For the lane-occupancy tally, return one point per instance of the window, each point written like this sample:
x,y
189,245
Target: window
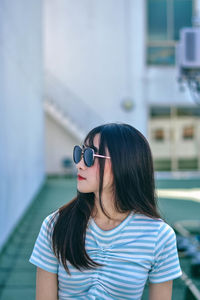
x,y
158,135
188,111
165,18
160,112
188,132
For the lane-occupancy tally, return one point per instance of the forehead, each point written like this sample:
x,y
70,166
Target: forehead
x,y
96,140
96,143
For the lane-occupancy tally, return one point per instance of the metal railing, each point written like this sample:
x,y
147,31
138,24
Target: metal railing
x,y
190,246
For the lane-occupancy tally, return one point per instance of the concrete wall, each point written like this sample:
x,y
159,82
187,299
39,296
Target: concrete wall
x,y
21,114
58,144
98,49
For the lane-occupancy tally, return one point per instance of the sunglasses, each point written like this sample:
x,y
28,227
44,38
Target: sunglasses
x,y
87,153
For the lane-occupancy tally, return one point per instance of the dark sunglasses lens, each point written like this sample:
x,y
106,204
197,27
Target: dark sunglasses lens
x,y
77,154
88,157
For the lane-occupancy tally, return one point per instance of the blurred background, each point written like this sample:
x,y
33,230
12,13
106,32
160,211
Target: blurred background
x,y
67,66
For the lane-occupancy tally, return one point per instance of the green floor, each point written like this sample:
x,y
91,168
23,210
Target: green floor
x,y
17,275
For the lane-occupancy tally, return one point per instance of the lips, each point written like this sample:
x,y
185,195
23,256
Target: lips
x,y
81,178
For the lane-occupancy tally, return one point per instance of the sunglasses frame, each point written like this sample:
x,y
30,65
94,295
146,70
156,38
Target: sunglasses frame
x,y
83,149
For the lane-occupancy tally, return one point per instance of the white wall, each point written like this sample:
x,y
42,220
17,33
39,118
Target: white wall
x,y
97,48
162,87
174,144
58,144
21,115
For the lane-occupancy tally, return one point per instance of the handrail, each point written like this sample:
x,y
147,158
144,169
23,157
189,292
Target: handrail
x,y
190,285
70,104
179,226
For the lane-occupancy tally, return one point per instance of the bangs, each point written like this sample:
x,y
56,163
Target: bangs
x,y
89,139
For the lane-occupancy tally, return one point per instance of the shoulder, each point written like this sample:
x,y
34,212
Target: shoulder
x,y
163,235
156,222
158,226
50,221
43,255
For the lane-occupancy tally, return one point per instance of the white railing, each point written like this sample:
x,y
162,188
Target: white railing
x,y
70,105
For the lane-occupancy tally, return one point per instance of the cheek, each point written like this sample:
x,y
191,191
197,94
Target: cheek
x,y
95,169
108,175
109,179
93,175
96,176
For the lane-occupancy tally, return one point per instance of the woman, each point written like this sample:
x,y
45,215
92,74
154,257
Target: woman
x,y
110,239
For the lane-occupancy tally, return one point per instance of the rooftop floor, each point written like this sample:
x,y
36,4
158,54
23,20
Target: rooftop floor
x,y
17,275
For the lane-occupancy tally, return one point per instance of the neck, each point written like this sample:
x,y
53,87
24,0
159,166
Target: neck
x,y
108,201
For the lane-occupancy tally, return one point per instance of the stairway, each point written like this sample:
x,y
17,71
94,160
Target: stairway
x,y
68,109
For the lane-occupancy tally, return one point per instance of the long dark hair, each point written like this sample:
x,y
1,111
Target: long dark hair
x,y
134,190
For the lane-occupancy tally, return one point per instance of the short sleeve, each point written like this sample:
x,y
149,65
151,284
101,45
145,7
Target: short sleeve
x,y
166,262
43,255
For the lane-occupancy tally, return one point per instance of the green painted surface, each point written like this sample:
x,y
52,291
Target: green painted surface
x,y
17,275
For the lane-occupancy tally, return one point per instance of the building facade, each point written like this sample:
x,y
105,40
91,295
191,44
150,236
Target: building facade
x,y
116,59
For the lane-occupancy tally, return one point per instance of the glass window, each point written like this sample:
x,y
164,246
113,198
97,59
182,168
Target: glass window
x,y
157,26
158,135
182,16
165,18
188,132
160,111
162,55
188,111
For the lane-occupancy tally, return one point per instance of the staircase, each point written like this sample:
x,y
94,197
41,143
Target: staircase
x,y
68,109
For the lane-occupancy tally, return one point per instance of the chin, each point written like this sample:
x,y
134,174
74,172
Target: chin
x,y
84,190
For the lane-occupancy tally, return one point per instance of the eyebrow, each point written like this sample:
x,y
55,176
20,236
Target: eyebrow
x,y
93,147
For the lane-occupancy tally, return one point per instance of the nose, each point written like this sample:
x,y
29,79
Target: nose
x,y
81,164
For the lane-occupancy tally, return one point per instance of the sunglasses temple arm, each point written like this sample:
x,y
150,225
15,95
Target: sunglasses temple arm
x,y
101,156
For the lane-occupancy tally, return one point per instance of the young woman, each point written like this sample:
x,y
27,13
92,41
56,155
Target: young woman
x,y
109,240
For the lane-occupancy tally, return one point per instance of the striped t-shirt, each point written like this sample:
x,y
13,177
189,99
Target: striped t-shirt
x,y
138,249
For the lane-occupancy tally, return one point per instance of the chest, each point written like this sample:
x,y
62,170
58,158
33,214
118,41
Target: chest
x,y
124,269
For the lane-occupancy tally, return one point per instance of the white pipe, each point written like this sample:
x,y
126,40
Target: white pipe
x,y
196,14
188,282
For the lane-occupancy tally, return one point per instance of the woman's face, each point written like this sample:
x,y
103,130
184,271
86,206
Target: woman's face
x,y
91,174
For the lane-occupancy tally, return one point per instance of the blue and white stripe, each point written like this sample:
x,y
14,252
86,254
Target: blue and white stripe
x,y
138,249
